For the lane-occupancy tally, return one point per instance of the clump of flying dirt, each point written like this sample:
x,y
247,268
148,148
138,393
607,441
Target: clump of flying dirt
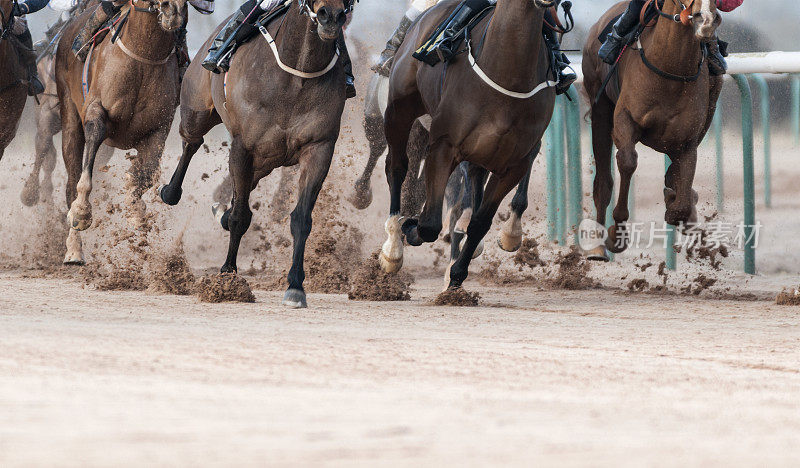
x,y
703,250
638,285
492,276
370,283
224,287
458,297
572,271
171,274
789,297
528,254
700,284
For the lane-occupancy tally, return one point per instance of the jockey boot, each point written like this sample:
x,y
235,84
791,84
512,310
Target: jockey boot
x,y
182,51
384,65
445,47
218,58
717,51
28,58
560,60
82,42
612,47
347,65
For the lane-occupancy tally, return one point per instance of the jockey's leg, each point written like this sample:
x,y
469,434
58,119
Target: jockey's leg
x,y
384,65
238,29
28,58
104,12
717,51
444,45
565,78
350,85
611,48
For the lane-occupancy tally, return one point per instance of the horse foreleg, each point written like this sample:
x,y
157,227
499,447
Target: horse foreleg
x,y
94,128
315,163
625,137
72,145
679,197
511,234
239,216
496,190
172,192
602,125
141,176
361,197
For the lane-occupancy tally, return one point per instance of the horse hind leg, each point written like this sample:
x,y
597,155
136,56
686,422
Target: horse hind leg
x,y
361,197
48,123
511,233
239,216
315,163
438,167
625,136
141,176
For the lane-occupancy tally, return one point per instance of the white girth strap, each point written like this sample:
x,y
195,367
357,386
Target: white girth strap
x,y
497,87
291,70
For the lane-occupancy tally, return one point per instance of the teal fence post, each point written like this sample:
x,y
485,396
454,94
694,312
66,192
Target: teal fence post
x,y
551,181
671,256
561,186
573,129
763,91
717,123
611,204
796,109
749,177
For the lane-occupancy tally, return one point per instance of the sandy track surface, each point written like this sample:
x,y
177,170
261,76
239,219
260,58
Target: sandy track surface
x,y
96,378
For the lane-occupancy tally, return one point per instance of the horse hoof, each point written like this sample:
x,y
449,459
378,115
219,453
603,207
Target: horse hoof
x,y
74,259
295,298
170,196
79,224
411,232
598,254
361,199
509,242
390,265
29,195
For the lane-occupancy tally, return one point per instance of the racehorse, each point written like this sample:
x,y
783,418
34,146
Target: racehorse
x,y
490,111
279,113
666,100
126,98
13,88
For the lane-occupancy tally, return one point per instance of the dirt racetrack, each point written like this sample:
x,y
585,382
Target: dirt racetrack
x,y
91,378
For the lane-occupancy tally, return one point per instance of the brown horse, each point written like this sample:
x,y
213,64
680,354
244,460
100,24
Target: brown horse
x,y
13,87
491,115
130,103
48,125
277,116
668,105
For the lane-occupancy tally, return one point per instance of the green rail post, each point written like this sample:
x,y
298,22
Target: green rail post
x,y
612,203
561,198
551,181
671,256
763,91
573,129
717,123
796,109
749,177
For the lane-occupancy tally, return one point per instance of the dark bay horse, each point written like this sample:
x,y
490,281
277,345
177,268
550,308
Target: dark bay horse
x,y
490,111
13,87
275,116
668,110
131,100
